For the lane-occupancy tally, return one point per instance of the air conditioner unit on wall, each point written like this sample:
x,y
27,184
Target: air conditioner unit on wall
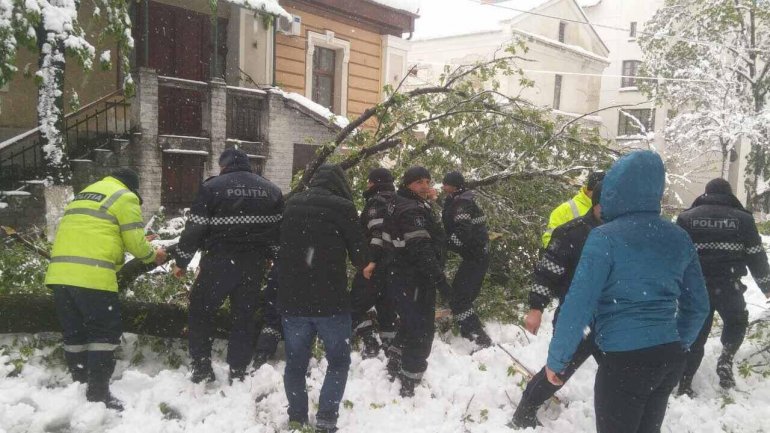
x,y
290,27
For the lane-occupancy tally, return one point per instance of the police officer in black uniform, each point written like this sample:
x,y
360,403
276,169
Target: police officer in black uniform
x,y
552,277
235,222
416,273
368,289
726,237
466,230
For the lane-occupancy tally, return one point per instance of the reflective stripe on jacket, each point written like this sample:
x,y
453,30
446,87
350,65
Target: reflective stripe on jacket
x,y
99,226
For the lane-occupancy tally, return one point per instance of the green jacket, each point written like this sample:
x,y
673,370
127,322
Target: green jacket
x,y
573,208
99,226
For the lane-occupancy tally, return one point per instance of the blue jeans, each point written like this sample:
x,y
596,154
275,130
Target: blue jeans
x,y
335,333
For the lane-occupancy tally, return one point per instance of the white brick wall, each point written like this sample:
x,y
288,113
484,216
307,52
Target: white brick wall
x,y
288,126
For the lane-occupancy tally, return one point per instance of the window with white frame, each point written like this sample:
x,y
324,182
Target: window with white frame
x,y
562,31
630,71
326,71
632,31
636,121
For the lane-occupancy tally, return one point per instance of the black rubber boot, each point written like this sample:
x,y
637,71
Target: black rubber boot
x,y
525,416
725,370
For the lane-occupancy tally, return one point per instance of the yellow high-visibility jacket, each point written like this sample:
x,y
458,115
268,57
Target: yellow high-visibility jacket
x,y
99,226
573,208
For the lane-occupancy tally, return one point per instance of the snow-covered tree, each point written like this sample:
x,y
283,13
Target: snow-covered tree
x,y
52,28
712,57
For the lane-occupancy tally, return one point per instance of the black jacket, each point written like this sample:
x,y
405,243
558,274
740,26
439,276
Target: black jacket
x,y
320,231
465,225
235,212
726,238
554,272
373,219
417,238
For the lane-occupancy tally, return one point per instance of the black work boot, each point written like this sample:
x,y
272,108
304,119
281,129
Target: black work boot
x,y
394,364
238,374
260,359
407,385
472,329
525,416
77,364
371,345
685,387
202,372
725,370
99,391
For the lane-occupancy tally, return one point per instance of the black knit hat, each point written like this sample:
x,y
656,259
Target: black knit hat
x,y
594,178
129,177
454,178
719,186
380,175
596,195
414,174
232,157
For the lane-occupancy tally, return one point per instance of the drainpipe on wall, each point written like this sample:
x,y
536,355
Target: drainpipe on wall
x,y
275,32
146,33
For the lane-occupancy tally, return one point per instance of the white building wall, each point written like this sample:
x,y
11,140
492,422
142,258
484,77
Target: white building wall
x,y
621,13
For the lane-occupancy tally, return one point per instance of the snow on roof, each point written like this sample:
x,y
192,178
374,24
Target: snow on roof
x,y
412,6
270,6
574,48
318,109
460,17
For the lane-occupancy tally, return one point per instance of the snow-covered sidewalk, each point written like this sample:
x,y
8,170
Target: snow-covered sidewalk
x,y
461,392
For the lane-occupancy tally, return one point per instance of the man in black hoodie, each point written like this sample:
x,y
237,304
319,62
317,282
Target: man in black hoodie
x,y
726,237
415,275
320,231
368,288
235,222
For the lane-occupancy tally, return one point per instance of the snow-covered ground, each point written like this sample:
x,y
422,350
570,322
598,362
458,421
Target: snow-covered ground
x,y
462,391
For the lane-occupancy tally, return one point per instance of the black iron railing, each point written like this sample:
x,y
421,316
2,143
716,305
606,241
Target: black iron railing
x,y
88,128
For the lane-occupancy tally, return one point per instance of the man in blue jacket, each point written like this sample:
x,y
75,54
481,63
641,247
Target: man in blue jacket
x,y
639,281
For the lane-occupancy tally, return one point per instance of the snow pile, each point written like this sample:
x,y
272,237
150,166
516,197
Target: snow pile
x,y
462,391
308,103
269,6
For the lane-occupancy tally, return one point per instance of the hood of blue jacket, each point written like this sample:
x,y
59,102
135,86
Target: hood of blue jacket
x,y
634,184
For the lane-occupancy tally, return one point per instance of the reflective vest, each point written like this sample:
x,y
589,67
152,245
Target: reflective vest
x,y
573,208
99,226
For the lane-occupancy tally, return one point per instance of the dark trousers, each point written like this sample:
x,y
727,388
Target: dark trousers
x,y
464,291
416,306
726,298
235,277
270,335
632,388
90,320
335,332
364,295
539,389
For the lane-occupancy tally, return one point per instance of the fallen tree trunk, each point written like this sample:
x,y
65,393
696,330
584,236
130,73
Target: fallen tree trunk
x,y
21,313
